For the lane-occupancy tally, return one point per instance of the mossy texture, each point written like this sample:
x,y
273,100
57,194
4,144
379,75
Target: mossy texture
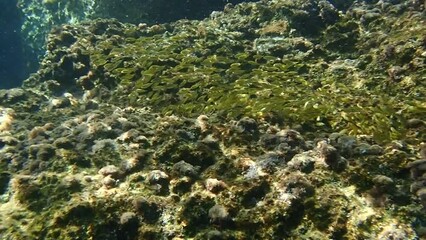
x,y
353,76
246,125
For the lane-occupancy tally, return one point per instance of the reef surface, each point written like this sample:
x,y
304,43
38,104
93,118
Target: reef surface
x,y
270,120
40,16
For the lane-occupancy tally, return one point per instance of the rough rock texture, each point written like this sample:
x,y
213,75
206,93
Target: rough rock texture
x,y
352,75
242,126
173,184
40,16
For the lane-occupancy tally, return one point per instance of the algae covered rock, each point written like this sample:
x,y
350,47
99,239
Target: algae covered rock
x,y
40,17
245,190
269,65
240,126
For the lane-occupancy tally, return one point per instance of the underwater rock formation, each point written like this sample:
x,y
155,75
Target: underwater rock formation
x,y
40,16
335,79
240,126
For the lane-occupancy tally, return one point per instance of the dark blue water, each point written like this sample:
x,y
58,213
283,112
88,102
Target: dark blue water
x,y
12,64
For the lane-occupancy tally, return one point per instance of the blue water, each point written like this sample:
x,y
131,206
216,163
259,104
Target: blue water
x,y
12,64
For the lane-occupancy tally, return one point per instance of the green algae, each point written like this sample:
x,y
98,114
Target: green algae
x,y
337,80
182,74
